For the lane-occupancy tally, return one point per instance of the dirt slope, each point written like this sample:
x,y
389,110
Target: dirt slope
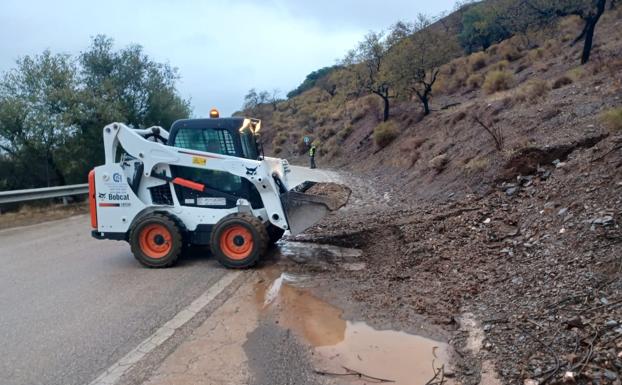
x,y
525,237
539,266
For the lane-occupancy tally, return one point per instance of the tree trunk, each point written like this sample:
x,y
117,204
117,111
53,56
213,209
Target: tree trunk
x,y
424,96
385,116
589,31
60,178
426,106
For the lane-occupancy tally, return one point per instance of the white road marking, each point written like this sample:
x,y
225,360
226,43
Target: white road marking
x,y
119,368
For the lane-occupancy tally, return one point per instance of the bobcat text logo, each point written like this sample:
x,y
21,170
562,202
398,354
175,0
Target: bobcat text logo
x,y
118,197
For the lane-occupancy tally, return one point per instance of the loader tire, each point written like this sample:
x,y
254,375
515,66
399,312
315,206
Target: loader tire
x,y
274,234
156,241
239,240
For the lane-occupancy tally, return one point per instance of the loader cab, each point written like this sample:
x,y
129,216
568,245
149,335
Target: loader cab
x,y
225,136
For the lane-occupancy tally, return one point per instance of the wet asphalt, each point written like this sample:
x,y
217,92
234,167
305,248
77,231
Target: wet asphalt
x,y
275,356
70,305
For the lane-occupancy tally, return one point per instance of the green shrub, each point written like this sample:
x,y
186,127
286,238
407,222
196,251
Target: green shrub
x,y
612,119
385,132
498,81
475,81
477,61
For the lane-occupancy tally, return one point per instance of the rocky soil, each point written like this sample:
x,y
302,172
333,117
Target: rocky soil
x,y
537,260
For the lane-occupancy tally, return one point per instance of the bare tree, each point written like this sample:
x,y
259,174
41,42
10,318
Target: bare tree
x,y
589,11
275,98
494,131
367,62
415,62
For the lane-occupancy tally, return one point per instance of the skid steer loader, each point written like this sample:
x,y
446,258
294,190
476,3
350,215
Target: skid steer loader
x,y
203,183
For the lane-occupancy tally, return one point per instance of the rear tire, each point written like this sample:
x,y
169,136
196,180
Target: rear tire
x,y
239,240
156,241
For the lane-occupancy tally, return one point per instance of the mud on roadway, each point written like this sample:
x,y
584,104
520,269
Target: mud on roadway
x,y
518,285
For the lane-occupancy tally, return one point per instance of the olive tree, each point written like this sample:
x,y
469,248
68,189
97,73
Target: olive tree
x,y
38,102
589,11
368,62
414,62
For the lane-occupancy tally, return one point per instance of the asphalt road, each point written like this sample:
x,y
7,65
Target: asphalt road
x,y
71,306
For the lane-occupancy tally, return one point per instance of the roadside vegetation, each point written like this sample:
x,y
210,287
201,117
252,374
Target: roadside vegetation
x,y
54,106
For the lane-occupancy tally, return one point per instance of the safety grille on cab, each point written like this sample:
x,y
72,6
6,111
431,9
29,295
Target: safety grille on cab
x,y
161,195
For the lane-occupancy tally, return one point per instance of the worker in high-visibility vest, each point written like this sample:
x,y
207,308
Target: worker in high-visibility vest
x,y
312,156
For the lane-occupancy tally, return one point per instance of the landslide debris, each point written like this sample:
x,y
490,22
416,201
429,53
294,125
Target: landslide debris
x,y
541,268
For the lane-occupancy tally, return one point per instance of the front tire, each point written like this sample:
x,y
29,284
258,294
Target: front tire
x,y
239,240
156,241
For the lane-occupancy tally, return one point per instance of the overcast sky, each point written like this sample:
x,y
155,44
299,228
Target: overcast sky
x,y
222,48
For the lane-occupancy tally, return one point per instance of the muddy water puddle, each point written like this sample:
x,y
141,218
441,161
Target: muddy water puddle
x,y
321,255
342,346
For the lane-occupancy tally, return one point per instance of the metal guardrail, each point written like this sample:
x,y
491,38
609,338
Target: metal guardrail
x,y
43,193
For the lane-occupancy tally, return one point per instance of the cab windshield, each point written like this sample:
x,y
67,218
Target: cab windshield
x,y
249,145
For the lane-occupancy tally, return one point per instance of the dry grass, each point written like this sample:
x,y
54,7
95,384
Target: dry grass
x,y
477,61
561,81
498,81
493,50
439,162
344,132
576,74
453,76
612,119
412,144
30,214
536,54
475,81
501,65
385,132
476,165
569,27
279,139
532,91
508,50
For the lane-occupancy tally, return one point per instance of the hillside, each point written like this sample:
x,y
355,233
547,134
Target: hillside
x,y
539,99
501,206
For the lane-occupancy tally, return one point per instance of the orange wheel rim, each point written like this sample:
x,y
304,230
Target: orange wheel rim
x,y
236,242
155,241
